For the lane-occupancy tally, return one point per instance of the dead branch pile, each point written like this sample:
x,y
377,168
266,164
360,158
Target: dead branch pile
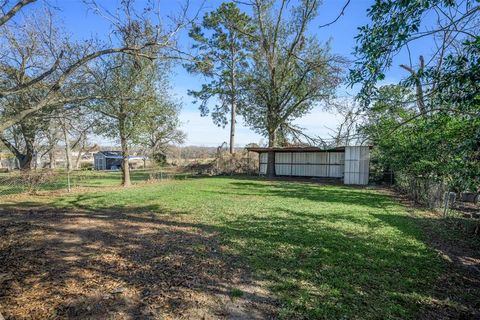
x,y
226,164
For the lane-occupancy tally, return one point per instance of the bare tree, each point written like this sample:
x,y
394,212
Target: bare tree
x,y
53,61
348,130
82,145
77,123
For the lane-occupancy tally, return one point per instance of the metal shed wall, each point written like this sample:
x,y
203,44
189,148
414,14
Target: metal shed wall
x,y
357,160
306,164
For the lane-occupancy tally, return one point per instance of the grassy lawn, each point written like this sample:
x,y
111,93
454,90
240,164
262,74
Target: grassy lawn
x,y
328,252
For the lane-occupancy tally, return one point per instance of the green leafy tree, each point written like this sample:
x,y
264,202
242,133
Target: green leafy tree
x,y
428,126
443,147
440,148
221,41
395,25
161,128
290,73
127,85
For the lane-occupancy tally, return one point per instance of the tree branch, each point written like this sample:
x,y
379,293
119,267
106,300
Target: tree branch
x,y
10,14
34,81
338,17
49,99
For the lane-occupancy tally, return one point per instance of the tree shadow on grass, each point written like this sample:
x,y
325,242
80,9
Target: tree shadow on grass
x,y
307,191
96,265
317,267
325,271
363,261
457,287
87,202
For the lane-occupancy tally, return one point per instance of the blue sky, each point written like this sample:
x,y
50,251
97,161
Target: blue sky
x,y
81,24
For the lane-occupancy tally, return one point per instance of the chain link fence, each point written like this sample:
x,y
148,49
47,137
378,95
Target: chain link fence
x,y
436,195
36,181
422,190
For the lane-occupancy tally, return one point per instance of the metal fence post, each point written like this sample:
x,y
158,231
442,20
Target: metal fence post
x,y
449,199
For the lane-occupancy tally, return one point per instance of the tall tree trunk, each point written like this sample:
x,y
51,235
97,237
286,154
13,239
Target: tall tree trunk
x,y
51,159
232,127
79,156
68,157
29,150
77,161
271,154
24,159
125,165
83,151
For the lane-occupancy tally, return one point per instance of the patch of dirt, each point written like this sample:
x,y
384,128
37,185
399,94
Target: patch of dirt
x,y
458,288
99,265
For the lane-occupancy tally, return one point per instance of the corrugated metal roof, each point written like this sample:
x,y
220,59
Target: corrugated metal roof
x,y
295,149
111,154
118,155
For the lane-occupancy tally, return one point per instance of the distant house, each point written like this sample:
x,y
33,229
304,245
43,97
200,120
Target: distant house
x,y
349,163
112,160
